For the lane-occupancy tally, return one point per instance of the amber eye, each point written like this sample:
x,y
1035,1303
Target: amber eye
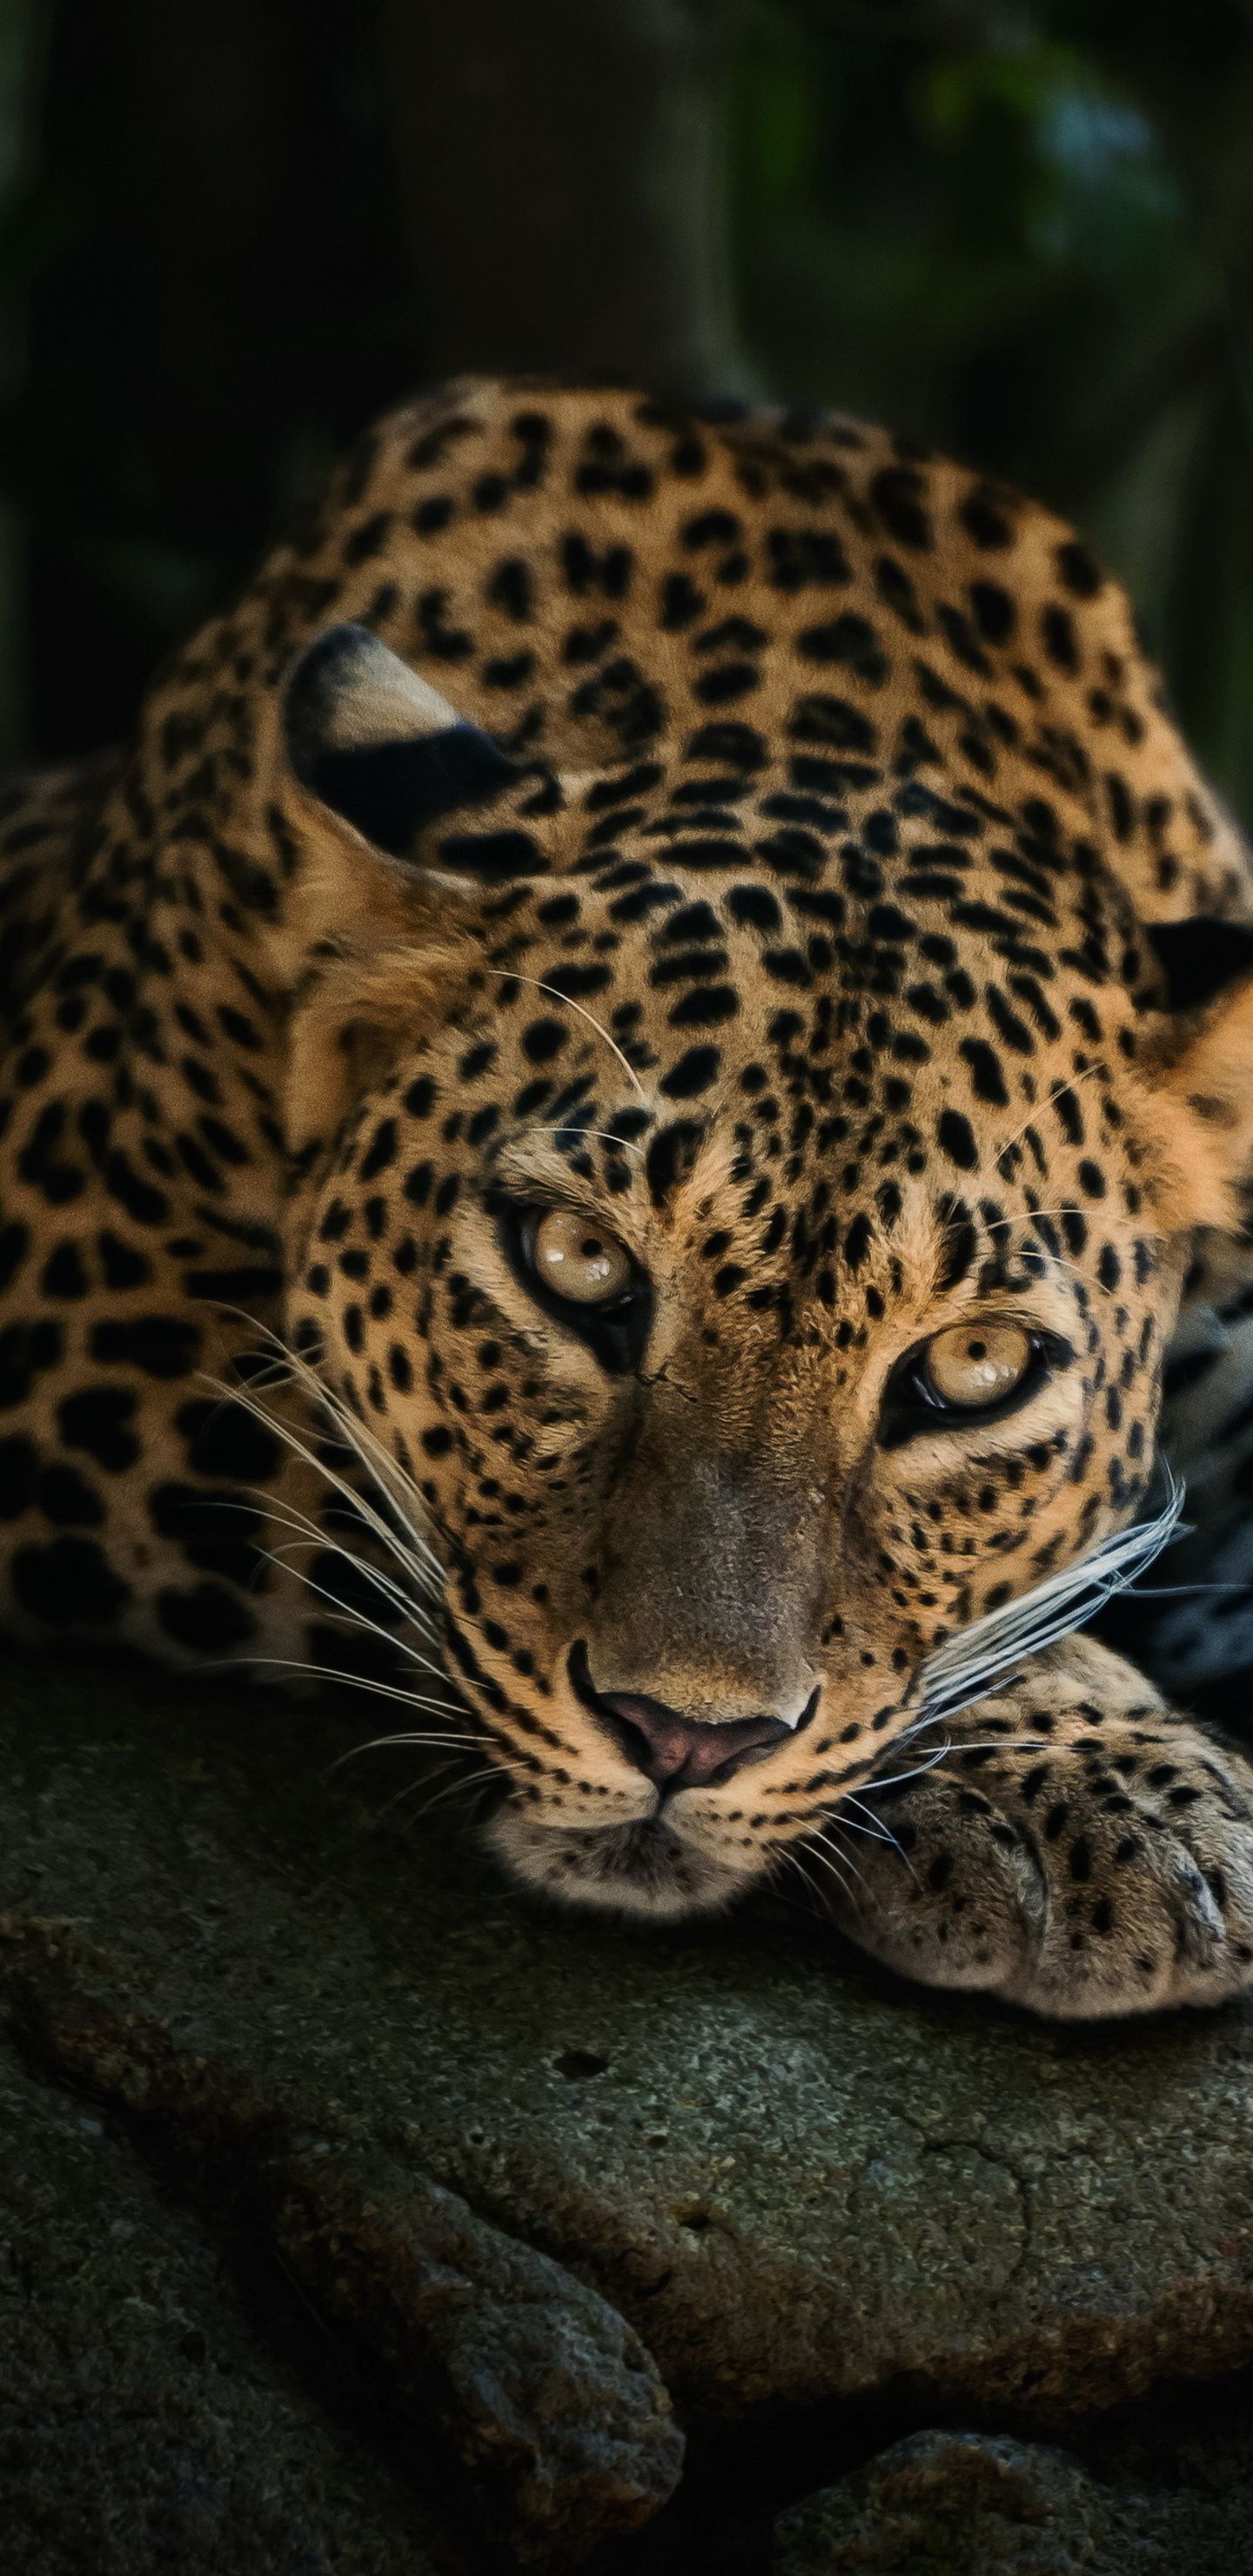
x,y
975,1365
577,1260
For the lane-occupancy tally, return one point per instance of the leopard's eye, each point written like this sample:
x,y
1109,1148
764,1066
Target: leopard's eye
x,y
968,1376
973,1366
577,1260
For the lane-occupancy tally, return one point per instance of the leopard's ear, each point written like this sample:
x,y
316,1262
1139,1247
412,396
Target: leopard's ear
x,y
387,906
1199,958
379,747
1199,1068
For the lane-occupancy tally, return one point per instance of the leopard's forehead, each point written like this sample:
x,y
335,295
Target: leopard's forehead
x,y
918,914
913,1007
769,634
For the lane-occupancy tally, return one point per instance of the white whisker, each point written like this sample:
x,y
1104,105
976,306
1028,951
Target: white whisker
x,y
876,1829
409,1576
347,1610
423,1744
308,1533
965,1667
829,1865
874,1832
397,1487
420,1570
507,976
359,1503
354,1681
571,1127
1066,1082
819,1843
455,1788
781,1856
897,1779
409,1736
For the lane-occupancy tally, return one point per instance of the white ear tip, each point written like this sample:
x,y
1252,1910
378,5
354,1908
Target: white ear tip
x,y
364,694
381,748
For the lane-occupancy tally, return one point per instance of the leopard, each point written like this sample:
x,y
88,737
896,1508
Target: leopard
x,y
627,1119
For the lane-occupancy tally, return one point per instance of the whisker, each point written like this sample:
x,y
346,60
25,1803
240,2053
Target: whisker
x,y
409,1789
422,1743
347,1610
308,1533
851,1824
1069,1207
877,1830
829,1865
359,1504
354,1681
409,1735
990,1744
508,977
819,1842
964,1667
477,1779
571,1127
782,1856
1066,1082
412,1554
397,1486
1044,1252
896,1779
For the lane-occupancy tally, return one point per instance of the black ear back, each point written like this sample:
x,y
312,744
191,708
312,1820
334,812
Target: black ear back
x,y
379,746
1200,958
390,791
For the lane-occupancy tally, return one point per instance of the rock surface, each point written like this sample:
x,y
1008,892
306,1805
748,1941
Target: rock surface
x,y
143,2423
541,2390
803,2187
966,2504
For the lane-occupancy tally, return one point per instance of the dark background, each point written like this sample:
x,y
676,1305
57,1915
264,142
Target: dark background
x,y
233,229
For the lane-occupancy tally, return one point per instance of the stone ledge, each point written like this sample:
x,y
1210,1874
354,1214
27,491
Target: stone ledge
x,y
803,2187
965,2504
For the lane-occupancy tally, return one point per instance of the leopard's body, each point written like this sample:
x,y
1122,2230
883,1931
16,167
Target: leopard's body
x,y
802,945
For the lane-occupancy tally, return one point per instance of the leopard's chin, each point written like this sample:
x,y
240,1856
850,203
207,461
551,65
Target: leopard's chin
x,y
643,1868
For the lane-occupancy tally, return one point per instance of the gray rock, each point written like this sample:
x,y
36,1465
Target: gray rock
x,y
959,2501
549,2399
143,2423
542,2391
796,2181
968,2504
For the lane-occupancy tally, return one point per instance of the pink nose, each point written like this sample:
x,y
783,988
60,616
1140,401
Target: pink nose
x,y
679,1753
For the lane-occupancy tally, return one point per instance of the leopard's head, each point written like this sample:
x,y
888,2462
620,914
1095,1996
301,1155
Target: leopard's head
x,y
754,1261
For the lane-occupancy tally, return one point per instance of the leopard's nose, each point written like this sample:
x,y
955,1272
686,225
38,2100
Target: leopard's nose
x,y
677,1753
674,1751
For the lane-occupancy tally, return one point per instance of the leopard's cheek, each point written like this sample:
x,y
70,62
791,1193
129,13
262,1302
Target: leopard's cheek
x,y
505,1457
951,1524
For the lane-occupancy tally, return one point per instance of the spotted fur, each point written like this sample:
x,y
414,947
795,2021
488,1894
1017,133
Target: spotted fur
x,y
774,888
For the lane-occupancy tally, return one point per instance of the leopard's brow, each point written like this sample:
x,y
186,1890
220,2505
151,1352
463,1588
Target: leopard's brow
x,y
547,1159
534,1164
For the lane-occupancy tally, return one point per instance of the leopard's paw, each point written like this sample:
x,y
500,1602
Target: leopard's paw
x,y
1112,1874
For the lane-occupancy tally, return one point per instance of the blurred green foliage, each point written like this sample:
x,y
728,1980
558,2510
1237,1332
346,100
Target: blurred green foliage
x,y
1023,229
1020,228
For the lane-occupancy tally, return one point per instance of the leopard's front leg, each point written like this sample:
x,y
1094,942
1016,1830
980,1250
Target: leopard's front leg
x,y
1081,1848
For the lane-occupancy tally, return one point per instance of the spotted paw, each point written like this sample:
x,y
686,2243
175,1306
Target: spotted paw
x,y
1111,1872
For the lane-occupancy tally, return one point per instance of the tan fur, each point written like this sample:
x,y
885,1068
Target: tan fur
x,y
803,950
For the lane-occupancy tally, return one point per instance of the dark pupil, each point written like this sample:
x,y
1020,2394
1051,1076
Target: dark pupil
x,y
976,1350
590,1249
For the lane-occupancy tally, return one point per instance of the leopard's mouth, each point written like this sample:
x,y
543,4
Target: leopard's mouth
x,y
642,1868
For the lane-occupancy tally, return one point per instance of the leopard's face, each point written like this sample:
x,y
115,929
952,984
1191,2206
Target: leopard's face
x,y
743,1325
